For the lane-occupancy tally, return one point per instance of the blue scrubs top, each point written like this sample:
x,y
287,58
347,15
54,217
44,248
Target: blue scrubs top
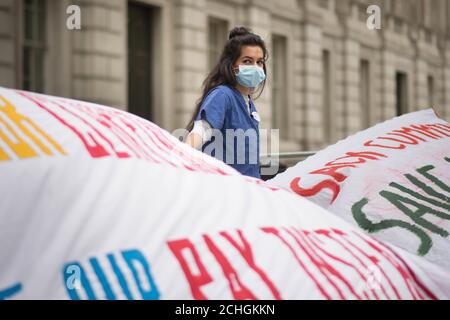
x,y
225,108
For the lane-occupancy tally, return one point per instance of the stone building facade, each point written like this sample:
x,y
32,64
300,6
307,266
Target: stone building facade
x,y
329,74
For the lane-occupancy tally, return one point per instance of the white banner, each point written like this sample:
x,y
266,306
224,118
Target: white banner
x,y
391,180
97,203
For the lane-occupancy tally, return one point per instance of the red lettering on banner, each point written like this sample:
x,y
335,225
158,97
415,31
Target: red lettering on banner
x,y
88,138
314,240
308,192
402,270
141,143
321,265
442,126
403,137
407,132
330,258
276,233
196,281
120,154
371,144
361,156
239,290
101,116
407,140
122,135
246,251
376,262
373,260
120,125
172,149
411,272
152,134
433,131
429,130
333,172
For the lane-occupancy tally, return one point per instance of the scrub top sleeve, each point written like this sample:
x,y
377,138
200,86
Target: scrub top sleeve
x,y
213,109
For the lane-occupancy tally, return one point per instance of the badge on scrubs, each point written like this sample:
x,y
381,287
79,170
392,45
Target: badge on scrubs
x,y
256,116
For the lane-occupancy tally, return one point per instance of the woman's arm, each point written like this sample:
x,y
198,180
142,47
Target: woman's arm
x,y
200,134
194,140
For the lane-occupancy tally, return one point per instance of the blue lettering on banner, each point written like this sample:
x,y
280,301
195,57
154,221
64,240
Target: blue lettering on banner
x,y
102,278
120,277
76,278
135,256
8,292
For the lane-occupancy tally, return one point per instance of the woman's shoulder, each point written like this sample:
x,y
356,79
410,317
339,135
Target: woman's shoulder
x,y
222,90
218,97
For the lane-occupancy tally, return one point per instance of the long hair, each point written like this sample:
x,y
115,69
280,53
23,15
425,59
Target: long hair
x,y
222,73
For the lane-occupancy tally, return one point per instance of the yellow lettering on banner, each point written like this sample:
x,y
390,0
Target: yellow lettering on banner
x,y
3,155
20,147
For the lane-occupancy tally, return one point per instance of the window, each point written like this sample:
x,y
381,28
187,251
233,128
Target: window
x,y
34,45
430,82
279,86
326,95
217,36
401,93
364,91
139,60
426,7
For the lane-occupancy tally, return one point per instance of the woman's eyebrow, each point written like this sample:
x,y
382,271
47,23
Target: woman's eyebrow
x,y
257,59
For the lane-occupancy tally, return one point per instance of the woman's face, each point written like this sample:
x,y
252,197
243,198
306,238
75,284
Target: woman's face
x,y
250,55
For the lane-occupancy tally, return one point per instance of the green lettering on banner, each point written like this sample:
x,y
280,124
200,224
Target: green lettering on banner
x,y
404,203
415,215
424,171
426,188
372,227
423,198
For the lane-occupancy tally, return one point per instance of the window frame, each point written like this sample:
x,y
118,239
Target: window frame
x,y
217,37
36,45
279,86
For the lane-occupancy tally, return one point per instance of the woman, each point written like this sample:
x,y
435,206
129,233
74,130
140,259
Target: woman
x,y
225,123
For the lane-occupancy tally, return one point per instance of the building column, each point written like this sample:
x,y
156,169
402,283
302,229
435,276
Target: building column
x,y
8,36
388,85
298,88
259,21
312,106
100,53
420,85
190,58
352,110
446,83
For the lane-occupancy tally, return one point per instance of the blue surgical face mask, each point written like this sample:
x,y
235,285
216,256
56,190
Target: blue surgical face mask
x,y
250,76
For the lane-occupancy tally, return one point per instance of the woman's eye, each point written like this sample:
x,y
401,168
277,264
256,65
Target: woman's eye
x,y
260,63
